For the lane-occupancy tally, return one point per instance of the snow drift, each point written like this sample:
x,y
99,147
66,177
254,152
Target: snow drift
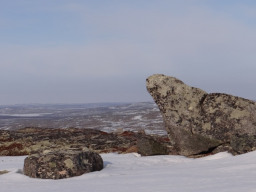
x,y
131,172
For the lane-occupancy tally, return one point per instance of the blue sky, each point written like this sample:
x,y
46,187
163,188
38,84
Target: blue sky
x,y
78,51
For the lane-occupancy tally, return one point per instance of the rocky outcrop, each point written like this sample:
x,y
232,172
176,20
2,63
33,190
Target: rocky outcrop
x,y
62,164
198,122
33,140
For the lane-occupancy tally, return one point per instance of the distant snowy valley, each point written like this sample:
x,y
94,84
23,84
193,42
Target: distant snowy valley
x,y
107,117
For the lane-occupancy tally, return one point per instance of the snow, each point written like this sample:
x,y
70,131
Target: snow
x,y
221,172
26,115
138,117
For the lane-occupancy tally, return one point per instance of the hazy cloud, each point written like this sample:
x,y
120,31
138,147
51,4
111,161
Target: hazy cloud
x,y
104,52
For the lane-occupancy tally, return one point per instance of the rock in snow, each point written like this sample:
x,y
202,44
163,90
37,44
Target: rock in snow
x,y
198,122
149,146
62,164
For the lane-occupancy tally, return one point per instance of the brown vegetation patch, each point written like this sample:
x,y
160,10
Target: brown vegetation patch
x,y
3,172
127,133
132,149
32,140
14,149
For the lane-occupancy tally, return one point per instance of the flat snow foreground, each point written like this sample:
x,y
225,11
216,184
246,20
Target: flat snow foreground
x,y
132,173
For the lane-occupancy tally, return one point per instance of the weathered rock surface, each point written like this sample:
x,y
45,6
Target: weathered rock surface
x,y
198,122
148,146
33,140
62,164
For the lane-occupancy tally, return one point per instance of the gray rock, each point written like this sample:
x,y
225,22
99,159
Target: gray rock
x,y
198,122
148,146
62,164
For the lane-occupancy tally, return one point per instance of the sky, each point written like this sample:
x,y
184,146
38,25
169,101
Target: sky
x,y
87,51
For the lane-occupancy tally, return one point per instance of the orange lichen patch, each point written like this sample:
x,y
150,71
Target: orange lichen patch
x,y
127,133
132,149
114,150
121,149
104,133
14,149
104,151
64,172
12,146
164,139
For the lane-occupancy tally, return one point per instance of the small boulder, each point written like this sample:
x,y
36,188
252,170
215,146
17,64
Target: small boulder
x,y
148,146
62,164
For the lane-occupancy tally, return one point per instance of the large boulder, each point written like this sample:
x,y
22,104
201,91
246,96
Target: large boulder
x,y
62,164
198,122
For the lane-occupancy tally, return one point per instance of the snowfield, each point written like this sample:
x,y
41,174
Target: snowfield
x,y
132,173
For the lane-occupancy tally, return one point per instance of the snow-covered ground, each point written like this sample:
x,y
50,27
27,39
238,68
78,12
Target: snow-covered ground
x,y
132,173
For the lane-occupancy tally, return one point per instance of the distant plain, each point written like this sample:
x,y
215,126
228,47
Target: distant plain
x,y
107,117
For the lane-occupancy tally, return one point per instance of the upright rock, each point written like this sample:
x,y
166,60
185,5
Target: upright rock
x,y
198,122
62,164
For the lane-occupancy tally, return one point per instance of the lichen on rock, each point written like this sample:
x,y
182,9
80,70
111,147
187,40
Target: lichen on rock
x,y
148,146
61,164
198,122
